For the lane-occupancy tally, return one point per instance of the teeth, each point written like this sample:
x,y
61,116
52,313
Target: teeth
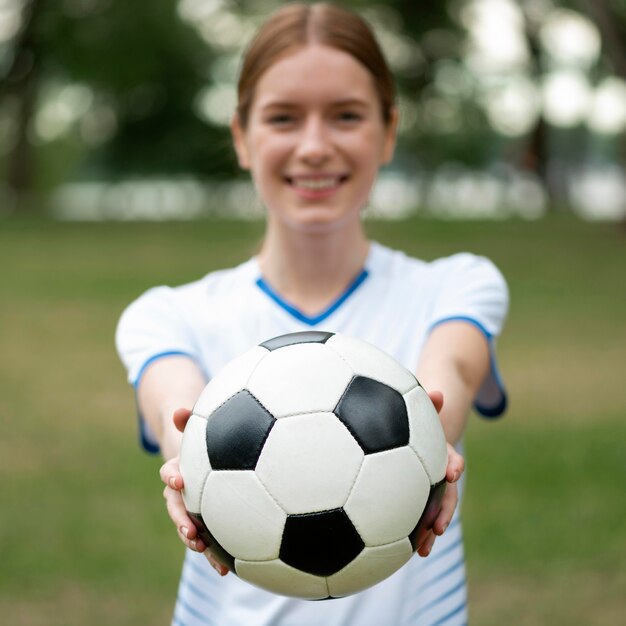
x,y
319,183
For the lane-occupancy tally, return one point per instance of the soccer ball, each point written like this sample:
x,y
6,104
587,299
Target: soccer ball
x,y
310,464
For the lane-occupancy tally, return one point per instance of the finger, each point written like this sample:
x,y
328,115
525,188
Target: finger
x,y
184,525
421,538
448,506
436,397
427,545
193,543
178,514
181,417
456,465
170,474
215,564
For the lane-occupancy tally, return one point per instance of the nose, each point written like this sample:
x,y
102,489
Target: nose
x,y
314,144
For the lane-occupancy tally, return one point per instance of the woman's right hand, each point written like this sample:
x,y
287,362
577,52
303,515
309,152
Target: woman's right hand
x,y
173,480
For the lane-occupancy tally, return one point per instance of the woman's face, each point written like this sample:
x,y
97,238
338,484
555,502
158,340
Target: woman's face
x,y
315,138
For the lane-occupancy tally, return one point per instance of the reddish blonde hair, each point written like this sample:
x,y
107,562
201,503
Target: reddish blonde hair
x,y
295,26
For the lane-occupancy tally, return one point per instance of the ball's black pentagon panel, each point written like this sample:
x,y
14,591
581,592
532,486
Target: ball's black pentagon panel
x,y
236,432
306,336
431,511
375,414
204,533
320,543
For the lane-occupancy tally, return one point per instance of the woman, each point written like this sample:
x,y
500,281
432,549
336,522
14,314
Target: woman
x,y
315,121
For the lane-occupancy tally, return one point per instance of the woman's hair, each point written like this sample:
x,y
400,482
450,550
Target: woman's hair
x,y
295,26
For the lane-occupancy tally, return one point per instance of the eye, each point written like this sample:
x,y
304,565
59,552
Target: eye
x,y
280,119
349,117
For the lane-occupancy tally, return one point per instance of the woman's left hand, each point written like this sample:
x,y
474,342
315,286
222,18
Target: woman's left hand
x,y
456,464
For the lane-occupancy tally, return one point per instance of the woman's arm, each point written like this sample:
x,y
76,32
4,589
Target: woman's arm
x,y
455,361
166,385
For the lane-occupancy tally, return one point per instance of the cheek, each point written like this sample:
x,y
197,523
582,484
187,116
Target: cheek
x,y
267,154
366,149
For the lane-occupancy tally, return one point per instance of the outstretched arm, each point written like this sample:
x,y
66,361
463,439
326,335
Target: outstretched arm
x,y
454,363
166,385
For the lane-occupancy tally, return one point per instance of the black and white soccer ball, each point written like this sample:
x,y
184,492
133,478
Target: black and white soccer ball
x,y
311,462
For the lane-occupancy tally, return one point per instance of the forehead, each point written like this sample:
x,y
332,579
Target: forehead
x,y
315,74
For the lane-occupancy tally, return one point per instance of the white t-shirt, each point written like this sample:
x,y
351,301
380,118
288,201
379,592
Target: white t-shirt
x,y
394,303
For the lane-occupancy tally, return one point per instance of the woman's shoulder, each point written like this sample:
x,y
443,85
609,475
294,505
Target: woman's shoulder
x,y
186,298
400,262
211,283
464,262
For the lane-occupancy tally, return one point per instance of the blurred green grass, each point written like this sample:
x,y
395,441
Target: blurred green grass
x,y
84,538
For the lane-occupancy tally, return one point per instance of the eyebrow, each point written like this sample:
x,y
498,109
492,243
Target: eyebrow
x,y
286,104
351,102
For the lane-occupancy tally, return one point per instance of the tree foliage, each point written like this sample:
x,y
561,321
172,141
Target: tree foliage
x,y
142,68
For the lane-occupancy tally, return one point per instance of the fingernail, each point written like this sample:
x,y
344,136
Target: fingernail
x,y
444,528
172,482
455,477
185,531
193,545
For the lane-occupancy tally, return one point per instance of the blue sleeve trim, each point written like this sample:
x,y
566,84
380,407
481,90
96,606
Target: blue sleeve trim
x,y
463,318
496,410
145,438
147,442
156,357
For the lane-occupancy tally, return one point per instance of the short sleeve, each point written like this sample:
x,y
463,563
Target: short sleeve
x,y
471,288
152,327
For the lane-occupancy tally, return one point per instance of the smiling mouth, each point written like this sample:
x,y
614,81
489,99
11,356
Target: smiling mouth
x,y
316,183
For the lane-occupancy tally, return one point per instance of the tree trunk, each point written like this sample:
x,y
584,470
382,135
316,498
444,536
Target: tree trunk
x,y
536,156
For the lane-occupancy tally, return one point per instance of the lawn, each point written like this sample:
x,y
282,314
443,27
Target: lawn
x,y
84,538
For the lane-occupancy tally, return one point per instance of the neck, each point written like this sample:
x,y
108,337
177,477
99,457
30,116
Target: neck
x,y
312,270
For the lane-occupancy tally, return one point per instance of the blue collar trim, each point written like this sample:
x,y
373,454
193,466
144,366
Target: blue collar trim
x,y
312,320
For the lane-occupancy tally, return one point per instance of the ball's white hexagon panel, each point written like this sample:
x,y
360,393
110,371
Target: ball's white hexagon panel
x,y
369,568
426,434
300,378
388,497
279,577
368,360
228,381
242,516
309,463
194,462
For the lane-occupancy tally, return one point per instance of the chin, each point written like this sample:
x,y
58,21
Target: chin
x,y
321,222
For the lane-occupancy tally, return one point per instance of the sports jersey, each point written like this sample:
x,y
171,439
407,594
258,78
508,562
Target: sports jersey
x,y
393,303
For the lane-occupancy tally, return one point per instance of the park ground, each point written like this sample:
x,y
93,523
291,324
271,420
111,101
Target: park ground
x,y
84,538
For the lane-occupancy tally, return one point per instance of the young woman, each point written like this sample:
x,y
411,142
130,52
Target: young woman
x,y
315,121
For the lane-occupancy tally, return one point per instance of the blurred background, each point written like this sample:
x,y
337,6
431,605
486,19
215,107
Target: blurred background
x,y
109,111
117,174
